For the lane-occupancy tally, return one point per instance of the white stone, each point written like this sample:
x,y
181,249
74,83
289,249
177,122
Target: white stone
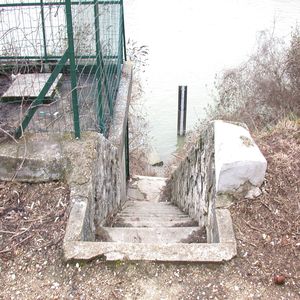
x,y
253,193
154,159
238,160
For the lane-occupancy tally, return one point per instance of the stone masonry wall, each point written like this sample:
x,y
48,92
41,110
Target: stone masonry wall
x,y
96,173
108,182
192,186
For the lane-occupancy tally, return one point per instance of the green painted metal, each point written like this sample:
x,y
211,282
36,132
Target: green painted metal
x,y
40,99
44,31
52,57
127,166
123,31
105,65
72,68
58,3
98,70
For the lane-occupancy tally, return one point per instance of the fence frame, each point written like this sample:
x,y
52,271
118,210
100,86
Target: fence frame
x,y
69,55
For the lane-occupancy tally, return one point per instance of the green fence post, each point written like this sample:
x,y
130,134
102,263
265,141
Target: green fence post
x,y
44,31
40,98
72,68
123,30
127,152
99,68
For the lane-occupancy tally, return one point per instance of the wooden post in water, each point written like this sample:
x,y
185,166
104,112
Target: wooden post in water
x,y
182,105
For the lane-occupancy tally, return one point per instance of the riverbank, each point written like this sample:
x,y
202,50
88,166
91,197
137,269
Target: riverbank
x,y
267,230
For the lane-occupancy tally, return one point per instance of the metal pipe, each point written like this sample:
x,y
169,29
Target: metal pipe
x,y
182,107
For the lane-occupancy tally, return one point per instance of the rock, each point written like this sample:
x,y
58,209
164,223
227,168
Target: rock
x,y
253,193
238,160
154,159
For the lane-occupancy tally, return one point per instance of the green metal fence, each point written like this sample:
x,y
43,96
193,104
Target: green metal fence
x,y
83,40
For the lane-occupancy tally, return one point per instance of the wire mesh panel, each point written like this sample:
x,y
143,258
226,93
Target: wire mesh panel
x,y
81,42
32,29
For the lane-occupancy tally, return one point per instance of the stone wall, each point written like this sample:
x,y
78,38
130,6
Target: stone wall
x,y
224,162
97,172
192,185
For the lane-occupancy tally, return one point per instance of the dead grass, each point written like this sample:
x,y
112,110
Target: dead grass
x,y
32,217
268,228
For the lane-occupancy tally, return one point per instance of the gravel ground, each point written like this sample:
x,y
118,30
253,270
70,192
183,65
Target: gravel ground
x,y
267,231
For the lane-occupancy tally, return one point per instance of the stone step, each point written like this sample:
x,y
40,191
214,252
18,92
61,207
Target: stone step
x,y
152,235
151,207
170,252
152,214
162,218
155,223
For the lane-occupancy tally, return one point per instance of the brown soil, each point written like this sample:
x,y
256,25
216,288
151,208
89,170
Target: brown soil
x,y
267,231
32,217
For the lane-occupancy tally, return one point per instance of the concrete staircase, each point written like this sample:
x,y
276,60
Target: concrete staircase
x,y
148,218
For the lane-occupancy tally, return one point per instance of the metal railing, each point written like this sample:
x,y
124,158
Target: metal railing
x,y
84,40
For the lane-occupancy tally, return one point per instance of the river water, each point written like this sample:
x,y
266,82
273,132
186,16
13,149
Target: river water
x,y
190,41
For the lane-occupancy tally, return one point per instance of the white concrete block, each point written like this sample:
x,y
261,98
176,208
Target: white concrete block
x,y
238,160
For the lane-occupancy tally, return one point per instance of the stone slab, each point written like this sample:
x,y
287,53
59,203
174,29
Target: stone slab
x,y
28,86
150,207
35,158
225,228
146,188
155,223
172,252
143,213
238,160
149,235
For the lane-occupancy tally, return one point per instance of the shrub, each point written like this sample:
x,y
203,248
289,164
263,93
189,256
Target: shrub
x,y
264,89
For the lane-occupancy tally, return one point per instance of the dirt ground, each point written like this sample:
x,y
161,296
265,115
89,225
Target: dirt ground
x,y
33,219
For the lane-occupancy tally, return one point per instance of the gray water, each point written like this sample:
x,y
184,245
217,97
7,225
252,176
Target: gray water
x,y
190,41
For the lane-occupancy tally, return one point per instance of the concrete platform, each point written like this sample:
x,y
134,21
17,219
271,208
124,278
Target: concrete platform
x,y
144,188
28,86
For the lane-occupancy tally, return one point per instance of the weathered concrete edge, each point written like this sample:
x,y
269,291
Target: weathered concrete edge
x,y
225,226
110,251
224,250
75,230
35,158
118,129
28,169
